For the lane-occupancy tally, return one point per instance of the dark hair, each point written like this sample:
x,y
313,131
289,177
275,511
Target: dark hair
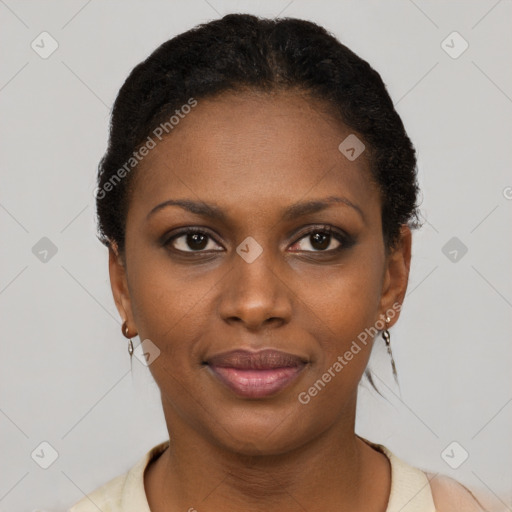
x,y
241,51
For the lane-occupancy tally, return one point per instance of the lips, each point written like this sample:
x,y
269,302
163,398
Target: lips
x,y
263,360
256,374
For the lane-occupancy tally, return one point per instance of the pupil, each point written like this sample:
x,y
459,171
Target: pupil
x,y
198,241
321,239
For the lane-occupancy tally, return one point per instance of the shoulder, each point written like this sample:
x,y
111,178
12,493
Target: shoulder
x,y
450,495
106,498
418,489
126,490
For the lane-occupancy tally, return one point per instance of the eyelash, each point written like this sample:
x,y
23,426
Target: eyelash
x,y
345,240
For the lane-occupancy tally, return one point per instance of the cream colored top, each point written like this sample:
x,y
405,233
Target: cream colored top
x,y
411,489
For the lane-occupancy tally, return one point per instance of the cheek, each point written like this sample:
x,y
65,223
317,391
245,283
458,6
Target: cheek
x,y
169,307
346,299
344,307
343,348
170,312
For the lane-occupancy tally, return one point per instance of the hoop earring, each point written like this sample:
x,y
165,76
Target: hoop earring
x,y
387,338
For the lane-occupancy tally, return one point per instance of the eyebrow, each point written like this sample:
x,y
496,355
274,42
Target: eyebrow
x,y
291,212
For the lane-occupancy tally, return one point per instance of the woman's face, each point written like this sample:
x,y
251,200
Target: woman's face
x,y
262,276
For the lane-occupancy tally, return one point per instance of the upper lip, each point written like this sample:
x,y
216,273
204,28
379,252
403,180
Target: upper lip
x,y
262,360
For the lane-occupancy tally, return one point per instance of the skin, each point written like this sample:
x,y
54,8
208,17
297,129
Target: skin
x,y
253,155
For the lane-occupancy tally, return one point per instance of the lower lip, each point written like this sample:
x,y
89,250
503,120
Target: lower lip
x,y
256,383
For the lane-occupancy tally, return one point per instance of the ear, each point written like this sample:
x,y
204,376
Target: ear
x,y
119,285
396,275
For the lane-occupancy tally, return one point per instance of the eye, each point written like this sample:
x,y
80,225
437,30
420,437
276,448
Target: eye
x,y
320,239
316,239
191,240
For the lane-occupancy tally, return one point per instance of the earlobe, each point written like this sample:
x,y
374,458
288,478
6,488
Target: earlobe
x,y
396,276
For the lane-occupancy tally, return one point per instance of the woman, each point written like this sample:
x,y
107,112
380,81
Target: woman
x,y
257,199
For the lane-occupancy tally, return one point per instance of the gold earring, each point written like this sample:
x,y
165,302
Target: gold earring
x,y
387,338
130,343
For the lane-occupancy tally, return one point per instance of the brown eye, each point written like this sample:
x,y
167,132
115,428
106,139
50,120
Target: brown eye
x,y
191,240
320,240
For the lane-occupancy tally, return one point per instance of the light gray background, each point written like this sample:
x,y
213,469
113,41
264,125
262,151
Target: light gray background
x,y
64,367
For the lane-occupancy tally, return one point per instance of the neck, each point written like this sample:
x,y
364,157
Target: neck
x,y
335,471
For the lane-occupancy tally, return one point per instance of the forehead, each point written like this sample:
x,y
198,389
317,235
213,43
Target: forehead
x,y
259,149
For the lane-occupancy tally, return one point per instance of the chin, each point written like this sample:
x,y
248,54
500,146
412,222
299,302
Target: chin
x,y
250,435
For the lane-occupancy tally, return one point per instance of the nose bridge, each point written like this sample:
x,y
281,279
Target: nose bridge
x,y
253,291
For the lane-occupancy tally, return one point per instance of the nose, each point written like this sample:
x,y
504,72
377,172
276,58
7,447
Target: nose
x,y
255,295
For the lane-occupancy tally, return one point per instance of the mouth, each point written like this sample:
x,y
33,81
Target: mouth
x,y
256,374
